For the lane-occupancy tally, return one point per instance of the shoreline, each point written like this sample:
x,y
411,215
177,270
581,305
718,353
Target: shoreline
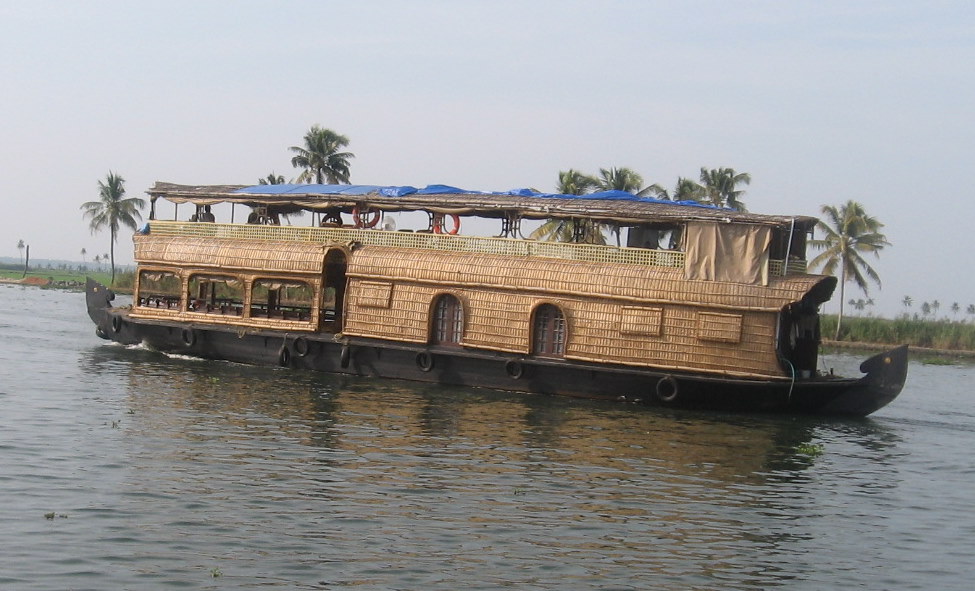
x,y
913,350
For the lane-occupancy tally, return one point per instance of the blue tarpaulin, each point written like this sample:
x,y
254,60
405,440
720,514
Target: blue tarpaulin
x,y
401,191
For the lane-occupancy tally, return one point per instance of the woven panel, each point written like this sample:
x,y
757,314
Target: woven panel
x,y
641,321
373,294
719,328
230,254
603,328
557,278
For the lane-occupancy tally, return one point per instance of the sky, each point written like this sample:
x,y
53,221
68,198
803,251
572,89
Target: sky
x,y
820,102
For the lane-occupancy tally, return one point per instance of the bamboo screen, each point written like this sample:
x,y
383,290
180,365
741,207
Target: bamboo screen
x,y
616,313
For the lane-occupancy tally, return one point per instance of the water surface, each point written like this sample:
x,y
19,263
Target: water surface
x,y
122,468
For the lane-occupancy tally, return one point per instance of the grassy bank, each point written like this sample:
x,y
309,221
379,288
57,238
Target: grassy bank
x,y
70,278
941,334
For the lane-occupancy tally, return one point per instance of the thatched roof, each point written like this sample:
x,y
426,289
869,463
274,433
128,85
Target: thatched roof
x,y
614,207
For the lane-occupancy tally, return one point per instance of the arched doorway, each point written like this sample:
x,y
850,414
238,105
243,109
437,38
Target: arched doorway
x,y
548,331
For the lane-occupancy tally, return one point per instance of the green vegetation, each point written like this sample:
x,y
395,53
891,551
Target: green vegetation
x,y
914,331
849,234
718,187
811,450
65,277
321,158
112,210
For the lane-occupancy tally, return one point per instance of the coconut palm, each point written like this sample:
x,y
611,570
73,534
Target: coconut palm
x,y
619,179
321,157
84,253
684,190
272,179
571,182
20,247
112,210
720,187
849,234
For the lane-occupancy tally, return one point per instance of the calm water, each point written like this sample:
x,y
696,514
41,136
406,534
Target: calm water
x,y
121,468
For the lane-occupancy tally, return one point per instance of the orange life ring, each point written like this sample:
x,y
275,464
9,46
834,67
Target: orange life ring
x,y
438,225
361,222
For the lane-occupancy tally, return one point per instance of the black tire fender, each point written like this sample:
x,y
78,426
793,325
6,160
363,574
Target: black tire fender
x,y
667,389
424,361
301,346
116,324
189,337
514,369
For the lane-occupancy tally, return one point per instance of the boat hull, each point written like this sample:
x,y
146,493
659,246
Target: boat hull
x,y
884,377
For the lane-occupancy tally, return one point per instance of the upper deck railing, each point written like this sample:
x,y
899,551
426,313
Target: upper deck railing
x,y
446,242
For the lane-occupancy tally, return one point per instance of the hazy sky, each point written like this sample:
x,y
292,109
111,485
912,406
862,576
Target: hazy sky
x,y
820,102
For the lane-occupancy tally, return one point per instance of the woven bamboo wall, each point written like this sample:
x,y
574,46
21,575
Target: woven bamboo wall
x,y
188,256
631,315
229,253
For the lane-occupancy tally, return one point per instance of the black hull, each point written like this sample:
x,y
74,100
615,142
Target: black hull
x,y
884,379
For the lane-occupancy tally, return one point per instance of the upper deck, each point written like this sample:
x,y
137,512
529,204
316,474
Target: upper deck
x,y
772,240
444,242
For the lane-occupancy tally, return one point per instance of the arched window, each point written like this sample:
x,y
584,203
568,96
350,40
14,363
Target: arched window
x,y
448,320
548,332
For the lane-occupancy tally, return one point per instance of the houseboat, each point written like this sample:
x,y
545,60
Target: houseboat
x,y
670,303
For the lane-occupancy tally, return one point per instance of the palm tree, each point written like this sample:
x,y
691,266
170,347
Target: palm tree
x,y
20,247
684,190
321,157
571,182
112,210
849,234
619,179
720,187
272,179
907,301
84,253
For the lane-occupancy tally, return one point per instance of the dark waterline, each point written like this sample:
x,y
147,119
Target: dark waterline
x,y
121,468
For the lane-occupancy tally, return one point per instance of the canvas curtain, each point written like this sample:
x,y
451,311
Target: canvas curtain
x,y
736,253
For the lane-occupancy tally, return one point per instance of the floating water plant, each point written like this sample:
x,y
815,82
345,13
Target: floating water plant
x,y
810,449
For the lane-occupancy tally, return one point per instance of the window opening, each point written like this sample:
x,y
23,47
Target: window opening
x,y
448,320
549,332
216,294
160,289
281,299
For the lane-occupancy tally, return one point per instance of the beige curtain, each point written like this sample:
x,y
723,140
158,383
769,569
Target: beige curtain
x,y
736,253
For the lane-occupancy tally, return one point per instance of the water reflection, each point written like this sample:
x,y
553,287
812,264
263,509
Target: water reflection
x,y
411,481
